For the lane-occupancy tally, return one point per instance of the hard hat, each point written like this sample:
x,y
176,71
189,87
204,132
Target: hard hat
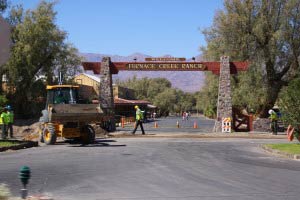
x,y
136,107
275,107
270,111
8,107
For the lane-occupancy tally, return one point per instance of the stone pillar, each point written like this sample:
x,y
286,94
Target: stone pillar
x,y
106,92
5,41
224,107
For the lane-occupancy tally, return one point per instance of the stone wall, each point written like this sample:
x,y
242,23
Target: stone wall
x,y
224,107
262,125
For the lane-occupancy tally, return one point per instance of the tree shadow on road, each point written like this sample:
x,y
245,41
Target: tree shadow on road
x,y
97,143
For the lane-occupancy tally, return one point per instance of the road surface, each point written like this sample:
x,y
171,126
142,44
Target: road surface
x,y
169,125
155,169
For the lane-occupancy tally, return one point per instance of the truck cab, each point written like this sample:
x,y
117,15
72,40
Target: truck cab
x,y
62,94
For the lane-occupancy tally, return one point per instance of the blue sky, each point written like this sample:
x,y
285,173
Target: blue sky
x,y
124,27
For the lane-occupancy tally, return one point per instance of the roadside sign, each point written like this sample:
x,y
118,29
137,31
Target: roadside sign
x,y
165,59
226,125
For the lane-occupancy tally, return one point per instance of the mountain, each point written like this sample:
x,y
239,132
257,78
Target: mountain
x,y
188,81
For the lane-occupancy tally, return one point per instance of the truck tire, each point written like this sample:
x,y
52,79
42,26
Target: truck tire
x,y
41,137
88,135
49,135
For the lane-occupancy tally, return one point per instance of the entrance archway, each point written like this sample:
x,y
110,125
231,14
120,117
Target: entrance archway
x,y
224,69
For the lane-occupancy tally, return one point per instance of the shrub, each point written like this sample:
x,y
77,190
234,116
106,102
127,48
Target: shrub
x,y
289,101
4,192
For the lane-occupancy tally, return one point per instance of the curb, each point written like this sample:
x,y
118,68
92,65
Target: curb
x,y
281,153
190,135
22,145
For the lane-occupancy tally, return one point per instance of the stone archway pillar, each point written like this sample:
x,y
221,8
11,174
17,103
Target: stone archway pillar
x,y
224,106
5,41
106,97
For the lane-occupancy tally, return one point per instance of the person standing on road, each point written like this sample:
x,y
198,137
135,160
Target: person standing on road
x,y
138,119
183,116
10,118
274,119
3,123
3,135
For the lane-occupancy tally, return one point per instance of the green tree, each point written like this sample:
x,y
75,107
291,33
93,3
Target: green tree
x,y
3,5
156,86
264,32
39,49
159,92
146,88
289,102
165,101
185,101
243,86
3,100
208,96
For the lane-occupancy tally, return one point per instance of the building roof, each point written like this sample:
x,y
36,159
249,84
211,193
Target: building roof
x,y
120,101
151,106
94,77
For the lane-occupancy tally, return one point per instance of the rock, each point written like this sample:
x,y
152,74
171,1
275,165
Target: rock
x,y
262,125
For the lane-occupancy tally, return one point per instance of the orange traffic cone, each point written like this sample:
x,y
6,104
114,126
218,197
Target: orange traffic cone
x,y
155,125
195,125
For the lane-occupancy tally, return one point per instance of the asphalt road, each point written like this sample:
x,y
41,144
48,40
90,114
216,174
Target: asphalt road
x,y
155,169
169,125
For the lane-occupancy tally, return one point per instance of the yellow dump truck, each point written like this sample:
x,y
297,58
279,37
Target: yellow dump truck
x,y
65,116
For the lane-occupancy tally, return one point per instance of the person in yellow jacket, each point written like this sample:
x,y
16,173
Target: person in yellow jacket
x,y
274,121
139,116
3,123
10,118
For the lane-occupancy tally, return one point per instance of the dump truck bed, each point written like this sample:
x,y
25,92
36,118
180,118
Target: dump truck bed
x,y
87,113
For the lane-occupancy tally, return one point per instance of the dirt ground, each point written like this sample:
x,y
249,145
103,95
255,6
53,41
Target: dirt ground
x,y
29,130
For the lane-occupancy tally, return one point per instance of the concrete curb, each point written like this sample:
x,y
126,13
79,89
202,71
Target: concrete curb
x,y
22,145
281,153
197,135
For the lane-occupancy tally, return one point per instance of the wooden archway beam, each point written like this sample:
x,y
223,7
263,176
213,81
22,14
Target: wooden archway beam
x,y
214,67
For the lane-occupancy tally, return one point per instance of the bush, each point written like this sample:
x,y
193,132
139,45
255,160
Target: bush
x,y
3,100
289,101
4,192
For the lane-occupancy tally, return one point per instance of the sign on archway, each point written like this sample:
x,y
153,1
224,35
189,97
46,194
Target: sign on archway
x,y
223,68
115,67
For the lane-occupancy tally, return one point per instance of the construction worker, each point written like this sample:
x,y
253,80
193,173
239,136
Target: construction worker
x,y
139,115
10,117
3,123
274,119
3,135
